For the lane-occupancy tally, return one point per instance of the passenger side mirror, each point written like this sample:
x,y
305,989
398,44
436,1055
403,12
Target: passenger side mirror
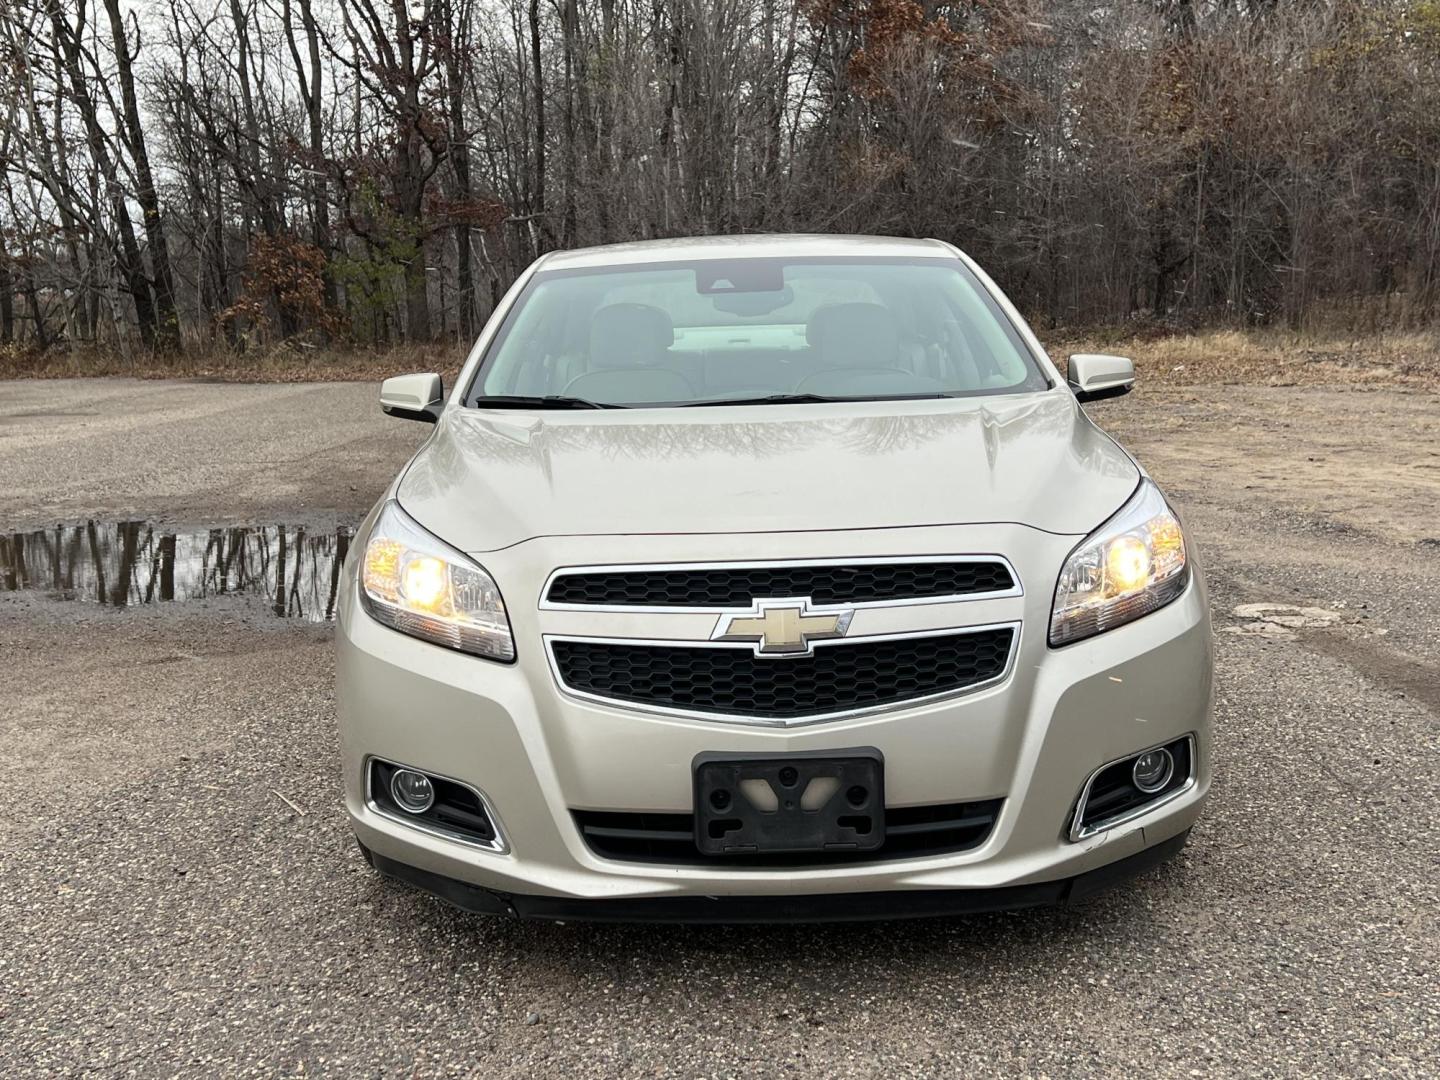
x,y
1093,376
413,397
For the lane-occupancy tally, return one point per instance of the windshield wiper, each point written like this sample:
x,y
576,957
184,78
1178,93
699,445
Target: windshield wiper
x,y
807,399
540,401
768,399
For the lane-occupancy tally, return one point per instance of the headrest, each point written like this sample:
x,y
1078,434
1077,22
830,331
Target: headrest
x,y
854,335
629,335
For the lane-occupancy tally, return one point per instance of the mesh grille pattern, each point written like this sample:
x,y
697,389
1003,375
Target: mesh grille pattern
x,y
837,678
738,585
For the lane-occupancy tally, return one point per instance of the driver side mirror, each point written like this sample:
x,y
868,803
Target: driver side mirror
x,y
413,397
1093,376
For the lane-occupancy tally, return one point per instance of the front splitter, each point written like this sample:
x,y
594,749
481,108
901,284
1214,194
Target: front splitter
x,y
801,908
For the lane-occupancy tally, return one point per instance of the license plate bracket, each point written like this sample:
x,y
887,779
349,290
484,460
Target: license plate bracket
x,y
734,815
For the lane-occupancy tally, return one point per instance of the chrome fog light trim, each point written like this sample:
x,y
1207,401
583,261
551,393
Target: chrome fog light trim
x,y
498,846
1076,831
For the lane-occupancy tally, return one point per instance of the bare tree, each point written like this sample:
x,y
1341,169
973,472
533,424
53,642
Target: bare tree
x,y
382,170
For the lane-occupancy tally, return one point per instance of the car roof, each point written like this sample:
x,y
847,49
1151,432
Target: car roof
x,y
749,246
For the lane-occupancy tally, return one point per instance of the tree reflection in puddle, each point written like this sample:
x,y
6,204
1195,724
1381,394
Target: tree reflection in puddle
x,y
120,564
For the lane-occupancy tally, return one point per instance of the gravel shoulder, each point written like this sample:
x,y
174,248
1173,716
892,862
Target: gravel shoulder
x,y
194,452
183,896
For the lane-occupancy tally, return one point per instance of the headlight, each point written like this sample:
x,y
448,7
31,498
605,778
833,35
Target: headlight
x,y
419,585
1128,567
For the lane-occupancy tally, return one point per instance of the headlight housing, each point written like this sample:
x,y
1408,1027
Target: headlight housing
x,y
1129,567
417,584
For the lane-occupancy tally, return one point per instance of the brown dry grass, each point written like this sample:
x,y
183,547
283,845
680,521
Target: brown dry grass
x,y
1266,358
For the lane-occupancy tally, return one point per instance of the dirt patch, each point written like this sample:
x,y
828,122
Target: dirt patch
x,y
1278,620
1408,676
1336,458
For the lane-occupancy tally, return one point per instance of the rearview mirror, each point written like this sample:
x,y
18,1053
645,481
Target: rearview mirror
x,y
1093,376
413,397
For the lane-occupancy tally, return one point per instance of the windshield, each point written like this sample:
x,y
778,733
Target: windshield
x,y
753,330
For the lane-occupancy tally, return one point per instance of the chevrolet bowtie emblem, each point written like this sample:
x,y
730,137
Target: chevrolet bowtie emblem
x,y
783,627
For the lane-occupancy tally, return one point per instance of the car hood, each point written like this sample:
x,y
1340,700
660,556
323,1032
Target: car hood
x,y
488,479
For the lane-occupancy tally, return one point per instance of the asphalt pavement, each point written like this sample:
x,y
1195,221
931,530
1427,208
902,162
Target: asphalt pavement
x,y
180,893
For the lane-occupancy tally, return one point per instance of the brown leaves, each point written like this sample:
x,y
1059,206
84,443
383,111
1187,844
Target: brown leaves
x,y
478,212
284,275
964,39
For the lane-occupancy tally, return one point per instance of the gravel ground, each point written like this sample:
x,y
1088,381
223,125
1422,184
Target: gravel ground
x,y
182,894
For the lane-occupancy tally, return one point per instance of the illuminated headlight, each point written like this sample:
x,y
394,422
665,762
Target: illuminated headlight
x,y
1127,568
419,585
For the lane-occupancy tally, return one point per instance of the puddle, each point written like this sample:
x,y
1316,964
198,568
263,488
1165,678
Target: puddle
x,y
295,571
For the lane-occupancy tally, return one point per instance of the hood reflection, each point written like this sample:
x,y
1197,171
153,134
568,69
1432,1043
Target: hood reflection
x,y
122,564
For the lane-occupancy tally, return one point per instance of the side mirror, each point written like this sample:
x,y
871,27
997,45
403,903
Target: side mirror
x,y
413,397
1093,376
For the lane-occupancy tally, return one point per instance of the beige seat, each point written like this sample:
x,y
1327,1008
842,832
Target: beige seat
x,y
858,350
630,358
854,336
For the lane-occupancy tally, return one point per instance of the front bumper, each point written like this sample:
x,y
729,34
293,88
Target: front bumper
x,y
806,908
537,754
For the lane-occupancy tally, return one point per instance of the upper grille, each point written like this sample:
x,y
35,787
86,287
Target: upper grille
x,y
732,586
841,677
911,832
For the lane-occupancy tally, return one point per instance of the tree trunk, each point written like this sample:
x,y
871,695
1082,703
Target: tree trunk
x,y
128,258
460,165
570,34
7,301
537,206
37,313
167,330
311,86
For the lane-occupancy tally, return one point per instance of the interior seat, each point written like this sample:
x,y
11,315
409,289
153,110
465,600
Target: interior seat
x,y
857,335
629,336
630,358
858,350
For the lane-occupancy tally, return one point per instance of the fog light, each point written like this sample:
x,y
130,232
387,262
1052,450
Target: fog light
x,y
412,791
1152,770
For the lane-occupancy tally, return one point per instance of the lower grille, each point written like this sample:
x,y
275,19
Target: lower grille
x,y
840,677
911,832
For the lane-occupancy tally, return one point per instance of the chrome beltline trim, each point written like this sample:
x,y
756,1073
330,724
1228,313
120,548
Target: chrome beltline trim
x,y
762,564
781,722
1076,833
498,846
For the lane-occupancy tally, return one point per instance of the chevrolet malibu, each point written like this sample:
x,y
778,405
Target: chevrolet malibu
x,y
769,578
